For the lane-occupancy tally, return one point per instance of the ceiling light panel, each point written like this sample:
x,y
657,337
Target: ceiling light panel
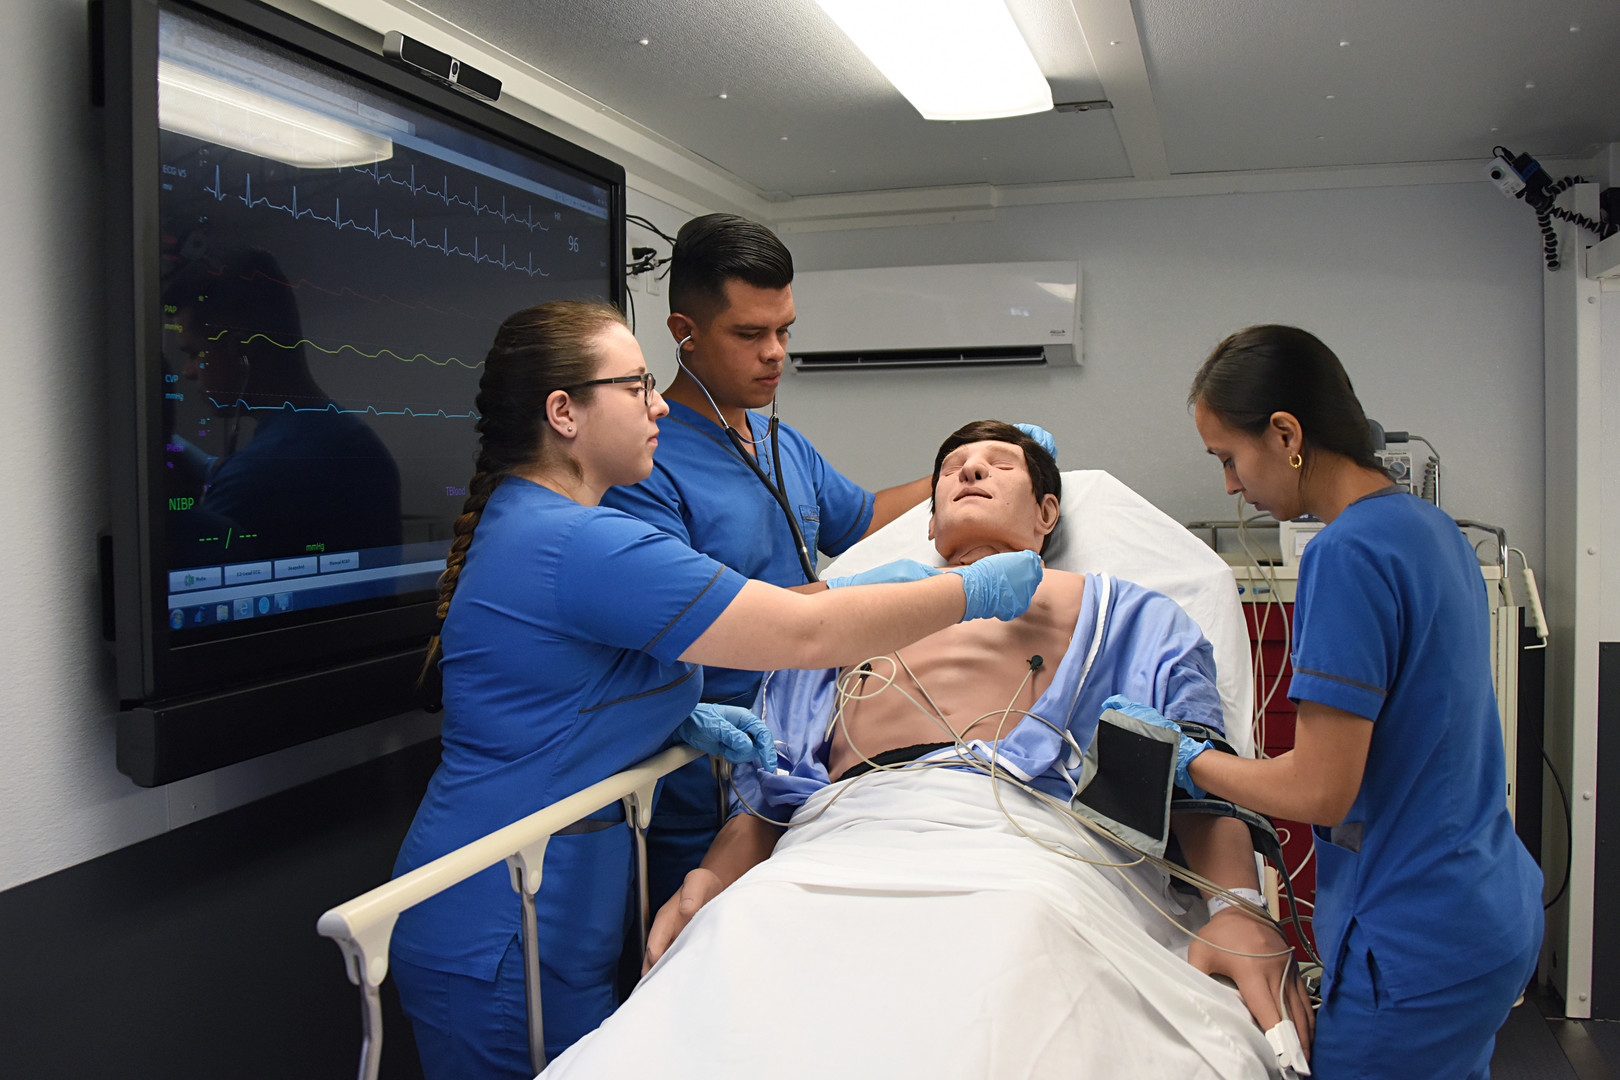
x,y
225,113
952,59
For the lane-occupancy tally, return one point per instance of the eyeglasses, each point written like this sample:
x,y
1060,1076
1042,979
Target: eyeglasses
x,y
648,384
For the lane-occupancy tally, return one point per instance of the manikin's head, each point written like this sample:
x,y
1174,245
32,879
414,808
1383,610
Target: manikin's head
x,y
995,489
731,301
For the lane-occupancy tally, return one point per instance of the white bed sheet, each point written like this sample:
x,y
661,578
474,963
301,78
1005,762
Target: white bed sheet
x,y
1105,527
910,931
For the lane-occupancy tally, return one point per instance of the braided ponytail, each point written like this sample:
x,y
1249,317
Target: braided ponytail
x,y
536,352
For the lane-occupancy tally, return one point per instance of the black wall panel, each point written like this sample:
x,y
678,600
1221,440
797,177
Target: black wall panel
x,y
1606,879
194,954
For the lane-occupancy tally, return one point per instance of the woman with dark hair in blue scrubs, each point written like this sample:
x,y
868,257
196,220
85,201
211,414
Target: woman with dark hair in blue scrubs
x,y
1428,908
570,645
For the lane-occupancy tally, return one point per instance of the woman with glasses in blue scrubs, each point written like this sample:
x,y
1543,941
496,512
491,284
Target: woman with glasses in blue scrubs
x,y
572,635
1428,908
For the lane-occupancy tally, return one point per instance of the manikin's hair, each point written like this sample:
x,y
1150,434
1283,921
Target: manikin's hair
x,y
1044,478
716,248
538,351
1263,370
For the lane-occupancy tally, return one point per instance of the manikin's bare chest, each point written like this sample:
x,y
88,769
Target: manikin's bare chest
x,y
973,672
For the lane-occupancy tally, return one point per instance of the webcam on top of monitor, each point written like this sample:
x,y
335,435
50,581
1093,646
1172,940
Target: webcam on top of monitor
x,y
440,66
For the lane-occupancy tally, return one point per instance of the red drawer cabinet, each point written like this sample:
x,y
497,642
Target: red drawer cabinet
x,y
1269,626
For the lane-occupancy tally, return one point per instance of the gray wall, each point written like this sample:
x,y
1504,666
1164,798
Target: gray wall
x,y
1431,295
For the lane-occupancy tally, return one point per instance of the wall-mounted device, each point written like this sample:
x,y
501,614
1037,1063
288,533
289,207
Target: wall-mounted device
x,y
1395,452
427,60
1522,177
308,252
976,315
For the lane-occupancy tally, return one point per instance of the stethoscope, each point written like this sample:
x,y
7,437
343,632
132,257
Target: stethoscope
x,y
740,444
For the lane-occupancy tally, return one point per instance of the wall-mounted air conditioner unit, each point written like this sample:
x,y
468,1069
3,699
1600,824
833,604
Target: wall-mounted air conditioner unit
x,y
1002,314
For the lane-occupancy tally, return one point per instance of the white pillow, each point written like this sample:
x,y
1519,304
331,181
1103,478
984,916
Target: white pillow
x,y
1105,527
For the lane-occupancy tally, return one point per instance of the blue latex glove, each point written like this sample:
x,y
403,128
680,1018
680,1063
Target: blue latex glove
x,y
1041,436
1000,586
730,731
889,573
1184,753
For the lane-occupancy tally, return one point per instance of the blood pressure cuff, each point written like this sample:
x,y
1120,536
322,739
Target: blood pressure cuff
x,y
1128,778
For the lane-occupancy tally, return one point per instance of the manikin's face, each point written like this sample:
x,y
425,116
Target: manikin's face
x,y
984,503
740,354
617,429
1254,466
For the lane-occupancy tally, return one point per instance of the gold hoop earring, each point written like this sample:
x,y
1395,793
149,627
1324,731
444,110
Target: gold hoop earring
x,y
1296,461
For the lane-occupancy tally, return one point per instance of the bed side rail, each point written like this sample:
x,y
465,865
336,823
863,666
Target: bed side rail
x,y
363,926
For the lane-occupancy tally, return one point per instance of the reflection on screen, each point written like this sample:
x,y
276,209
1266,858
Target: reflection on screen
x,y
334,267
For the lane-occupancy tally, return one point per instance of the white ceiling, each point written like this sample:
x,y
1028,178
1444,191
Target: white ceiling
x,y
1199,86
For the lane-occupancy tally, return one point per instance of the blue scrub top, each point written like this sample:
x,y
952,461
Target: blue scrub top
x,y
1392,624
560,669
701,493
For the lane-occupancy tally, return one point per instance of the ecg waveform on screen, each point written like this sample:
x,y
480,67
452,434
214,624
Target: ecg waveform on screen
x,y
527,219
375,229
251,338
332,407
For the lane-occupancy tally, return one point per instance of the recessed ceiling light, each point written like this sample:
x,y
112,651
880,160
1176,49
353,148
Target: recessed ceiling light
x,y
784,138
1530,84
1113,43
1330,97
1344,44
1321,138
644,41
1493,129
952,59
722,95
1574,29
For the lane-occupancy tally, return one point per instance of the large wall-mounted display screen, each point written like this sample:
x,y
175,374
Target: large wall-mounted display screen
x,y
334,265
323,247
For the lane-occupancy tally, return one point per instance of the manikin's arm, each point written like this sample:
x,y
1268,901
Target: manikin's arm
x,y
743,843
1316,782
890,503
1218,848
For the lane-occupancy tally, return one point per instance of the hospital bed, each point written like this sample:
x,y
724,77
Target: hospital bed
x,y
1104,527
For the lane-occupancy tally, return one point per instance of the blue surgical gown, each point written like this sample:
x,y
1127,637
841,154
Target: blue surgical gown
x,y
560,669
1147,649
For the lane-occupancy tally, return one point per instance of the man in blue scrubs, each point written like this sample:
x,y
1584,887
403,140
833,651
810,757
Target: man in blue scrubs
x,y
731,304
